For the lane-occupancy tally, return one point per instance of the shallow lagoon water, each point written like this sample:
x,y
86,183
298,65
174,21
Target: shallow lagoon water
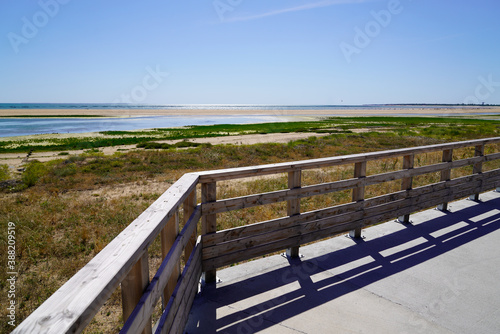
x,y
10,127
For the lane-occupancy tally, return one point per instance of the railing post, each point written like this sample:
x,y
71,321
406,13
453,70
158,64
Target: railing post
x,y
133,287
293,206
358,193
407,183
189,206
209,222
168,235
446,175
478,168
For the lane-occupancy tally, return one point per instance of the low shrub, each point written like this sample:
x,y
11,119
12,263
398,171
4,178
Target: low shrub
x,y
4,173
33,172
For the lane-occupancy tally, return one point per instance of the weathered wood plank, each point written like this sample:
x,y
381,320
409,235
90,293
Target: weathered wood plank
x,y
446,175
294,182
234,173
276,196
168,236
180,320
492,156
209,221
293,206
251,253
410,173
188,283
358,193
155,289
249,242
189,206
408,163
407,182
133,286
478,167
71,308
275,224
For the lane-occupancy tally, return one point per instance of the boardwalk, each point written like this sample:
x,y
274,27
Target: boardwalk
x,y
441,274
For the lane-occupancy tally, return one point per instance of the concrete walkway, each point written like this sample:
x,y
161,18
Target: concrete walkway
x,y
441,274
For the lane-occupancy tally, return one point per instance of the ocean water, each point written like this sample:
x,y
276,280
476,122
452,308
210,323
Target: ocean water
x,y
10,127
84,106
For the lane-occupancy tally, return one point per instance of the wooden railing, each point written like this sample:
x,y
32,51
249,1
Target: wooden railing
x,y
125,260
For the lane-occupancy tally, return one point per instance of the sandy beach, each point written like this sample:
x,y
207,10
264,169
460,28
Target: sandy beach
x,y
391,110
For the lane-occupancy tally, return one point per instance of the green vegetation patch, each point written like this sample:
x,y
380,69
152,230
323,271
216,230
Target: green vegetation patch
x,y
181,144
436,127
4,173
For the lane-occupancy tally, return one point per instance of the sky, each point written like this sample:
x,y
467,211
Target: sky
x,y
279,52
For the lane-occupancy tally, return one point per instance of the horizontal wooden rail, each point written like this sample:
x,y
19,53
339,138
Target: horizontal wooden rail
x,y
276,224
243,172
316,230
325,188
273,240
125,259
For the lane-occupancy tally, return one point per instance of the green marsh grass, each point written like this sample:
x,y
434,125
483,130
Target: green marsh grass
x,y
443,128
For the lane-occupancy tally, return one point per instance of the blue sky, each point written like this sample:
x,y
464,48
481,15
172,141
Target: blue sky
x,y
250,51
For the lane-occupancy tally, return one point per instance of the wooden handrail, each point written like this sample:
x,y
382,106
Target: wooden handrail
x,y
325,188
71,308
242,172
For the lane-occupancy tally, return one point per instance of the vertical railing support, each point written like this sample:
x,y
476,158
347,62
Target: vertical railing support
x,y
168,235
358,193
407,183
478,168
446,176
209,222
293,206
189,206
133,287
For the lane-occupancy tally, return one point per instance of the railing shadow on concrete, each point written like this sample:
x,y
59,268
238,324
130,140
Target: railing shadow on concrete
x,y
124,262
354,272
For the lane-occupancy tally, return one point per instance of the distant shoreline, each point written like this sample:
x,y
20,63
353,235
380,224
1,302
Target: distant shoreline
x,y
379,110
